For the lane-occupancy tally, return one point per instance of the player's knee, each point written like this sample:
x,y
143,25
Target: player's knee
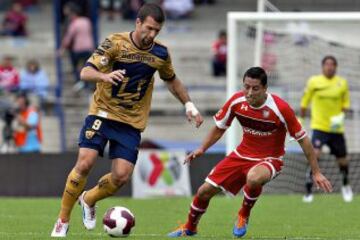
x,y
83,165
254,181
120,178
203,193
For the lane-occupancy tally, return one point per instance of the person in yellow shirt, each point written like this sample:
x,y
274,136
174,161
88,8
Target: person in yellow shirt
x,y
329,96
123,67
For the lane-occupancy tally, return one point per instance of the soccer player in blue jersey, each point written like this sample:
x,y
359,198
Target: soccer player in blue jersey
x,y
123,67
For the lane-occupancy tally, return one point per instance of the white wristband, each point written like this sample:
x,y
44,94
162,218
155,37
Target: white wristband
x,y
190,107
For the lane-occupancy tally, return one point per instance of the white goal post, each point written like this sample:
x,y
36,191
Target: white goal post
x,y
234,76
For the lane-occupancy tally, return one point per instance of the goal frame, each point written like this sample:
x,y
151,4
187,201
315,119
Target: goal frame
x,y
233,18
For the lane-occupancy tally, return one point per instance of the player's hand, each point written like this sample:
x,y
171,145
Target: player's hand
x,y
322,182
194,154
193,113
114,77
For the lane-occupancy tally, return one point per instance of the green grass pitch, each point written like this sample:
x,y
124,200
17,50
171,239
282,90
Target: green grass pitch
x,y
274,217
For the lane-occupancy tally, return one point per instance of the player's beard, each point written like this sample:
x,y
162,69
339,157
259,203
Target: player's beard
x,y
147,41
254,101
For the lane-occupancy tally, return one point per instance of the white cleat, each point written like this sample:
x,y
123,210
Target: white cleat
x,y
88,213
347,193
60,229
308,198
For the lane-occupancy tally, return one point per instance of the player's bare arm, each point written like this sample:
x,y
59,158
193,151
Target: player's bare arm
x,y
92,75
213,136
319,179
179,91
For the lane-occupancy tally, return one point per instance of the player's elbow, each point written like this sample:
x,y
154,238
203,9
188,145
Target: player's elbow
x,y
84,74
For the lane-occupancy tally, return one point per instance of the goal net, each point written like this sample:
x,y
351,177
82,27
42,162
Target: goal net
x,y
291,48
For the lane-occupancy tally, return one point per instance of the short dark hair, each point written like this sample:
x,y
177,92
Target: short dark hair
x,y
256,73
332,58
151,10
24,95
222,33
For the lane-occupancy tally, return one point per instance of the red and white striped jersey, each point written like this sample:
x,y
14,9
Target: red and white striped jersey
x,y
264,128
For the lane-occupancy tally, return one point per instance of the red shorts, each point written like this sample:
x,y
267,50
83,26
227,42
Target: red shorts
x,y
231,172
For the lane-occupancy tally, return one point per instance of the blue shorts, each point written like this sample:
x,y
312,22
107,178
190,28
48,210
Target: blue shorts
x,y
124,139
335,141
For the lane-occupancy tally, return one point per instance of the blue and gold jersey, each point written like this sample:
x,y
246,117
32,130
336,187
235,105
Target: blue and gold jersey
x,y
128,102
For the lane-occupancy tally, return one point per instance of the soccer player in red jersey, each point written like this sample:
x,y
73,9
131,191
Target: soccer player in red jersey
x,y
265,119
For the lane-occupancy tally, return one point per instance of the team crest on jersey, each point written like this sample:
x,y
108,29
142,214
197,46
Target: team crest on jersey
x,y
104,61
89,134
266,113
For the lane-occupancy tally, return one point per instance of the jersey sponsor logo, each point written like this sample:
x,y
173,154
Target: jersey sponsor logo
x,y
256,132
137,57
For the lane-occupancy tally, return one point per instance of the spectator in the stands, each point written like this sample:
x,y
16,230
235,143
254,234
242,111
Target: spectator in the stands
x,y
14,22
219,49
9,76
27,133
178,9
35,80
78,40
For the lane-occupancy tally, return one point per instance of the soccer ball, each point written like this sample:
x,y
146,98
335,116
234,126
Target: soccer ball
x,y
118,221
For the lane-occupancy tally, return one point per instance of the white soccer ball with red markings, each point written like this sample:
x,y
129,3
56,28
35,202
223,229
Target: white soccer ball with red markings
x,y
118,221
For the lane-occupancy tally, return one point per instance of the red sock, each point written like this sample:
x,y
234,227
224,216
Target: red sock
x,y
197,209
250,197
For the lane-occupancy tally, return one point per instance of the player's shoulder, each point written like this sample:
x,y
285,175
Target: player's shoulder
x,y
341,79
118,36
160,50
240,95
315,78
280,103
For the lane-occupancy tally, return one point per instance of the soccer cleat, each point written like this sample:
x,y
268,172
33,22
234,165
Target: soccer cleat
x,y
347,193
308,198
88,213
240,227
60,229
182,231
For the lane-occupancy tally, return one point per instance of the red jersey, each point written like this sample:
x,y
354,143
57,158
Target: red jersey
x,y
264,128
9,78
220,50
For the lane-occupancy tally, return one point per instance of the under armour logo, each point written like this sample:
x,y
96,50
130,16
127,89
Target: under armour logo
x,y
244,107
